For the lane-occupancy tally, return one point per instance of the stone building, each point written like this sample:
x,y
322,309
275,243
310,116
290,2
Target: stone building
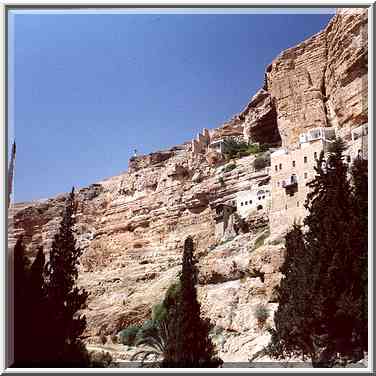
x,y
253,200
291,170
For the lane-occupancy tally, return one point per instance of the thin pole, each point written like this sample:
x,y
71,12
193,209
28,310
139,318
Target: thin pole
x,y
11,171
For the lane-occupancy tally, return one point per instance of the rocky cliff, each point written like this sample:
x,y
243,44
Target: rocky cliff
x,y
132,226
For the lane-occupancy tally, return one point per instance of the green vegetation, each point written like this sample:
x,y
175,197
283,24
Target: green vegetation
x,y
100,359
322,310
261,162
234,149
229,167
259,242
261,313
128,336
221,181
47,302
189,344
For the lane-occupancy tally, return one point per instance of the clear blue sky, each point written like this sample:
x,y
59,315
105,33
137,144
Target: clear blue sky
x,y
87,89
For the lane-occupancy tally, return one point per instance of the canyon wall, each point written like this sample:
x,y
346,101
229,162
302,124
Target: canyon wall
x,y
132,226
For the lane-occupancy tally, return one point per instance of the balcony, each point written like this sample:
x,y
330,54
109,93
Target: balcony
x,y
291,185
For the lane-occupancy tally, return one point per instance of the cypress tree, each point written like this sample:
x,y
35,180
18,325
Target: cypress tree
x,y
330,298
290,336
189,344
359,173
20,303
37,309
64,347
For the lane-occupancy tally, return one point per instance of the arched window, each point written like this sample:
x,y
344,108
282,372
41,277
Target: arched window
x,y
259,207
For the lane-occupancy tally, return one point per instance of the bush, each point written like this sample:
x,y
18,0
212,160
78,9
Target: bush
x,y
261,162
172,292
261,313
148,328
239,149
128,335
260,240
229,167
158,312
100,359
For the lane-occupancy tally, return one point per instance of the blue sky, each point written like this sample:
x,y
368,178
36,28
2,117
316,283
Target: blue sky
x,y
85,90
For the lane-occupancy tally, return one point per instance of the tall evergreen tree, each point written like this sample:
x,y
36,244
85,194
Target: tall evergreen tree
x,y
359,173
29,299
20,302
290,336
37,309
64,347
330,256
189,344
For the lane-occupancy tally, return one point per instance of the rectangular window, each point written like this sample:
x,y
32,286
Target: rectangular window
x,y
315,156
280,166
246,203
305,159
305,175
293,163
276,167
241,204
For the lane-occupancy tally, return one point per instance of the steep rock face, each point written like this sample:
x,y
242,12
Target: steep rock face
x,y
323,80
260,119
346,80
295,81
132,227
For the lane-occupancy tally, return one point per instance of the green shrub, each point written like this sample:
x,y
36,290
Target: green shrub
x,y
239,149
260,240
100,359
148,328
127,336
158,312
261,313
229,167
261,162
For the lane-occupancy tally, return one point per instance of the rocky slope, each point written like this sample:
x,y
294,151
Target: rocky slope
x,y
132,226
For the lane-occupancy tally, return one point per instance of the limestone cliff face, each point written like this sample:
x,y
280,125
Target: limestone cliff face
x,y
323,80
131,227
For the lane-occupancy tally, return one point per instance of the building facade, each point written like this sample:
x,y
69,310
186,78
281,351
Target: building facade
x,y
291,170
250,201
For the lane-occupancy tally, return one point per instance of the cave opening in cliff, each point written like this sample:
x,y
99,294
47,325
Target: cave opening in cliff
x,y
266,131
